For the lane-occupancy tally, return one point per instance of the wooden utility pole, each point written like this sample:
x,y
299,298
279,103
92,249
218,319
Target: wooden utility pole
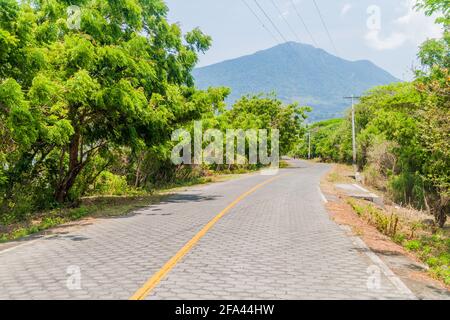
x,y
353,131
352,97
309,145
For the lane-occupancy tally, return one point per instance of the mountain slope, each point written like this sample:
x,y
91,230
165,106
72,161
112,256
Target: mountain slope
x,y
296,72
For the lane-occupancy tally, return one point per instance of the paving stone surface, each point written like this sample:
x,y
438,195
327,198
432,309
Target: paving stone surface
x,y
278,243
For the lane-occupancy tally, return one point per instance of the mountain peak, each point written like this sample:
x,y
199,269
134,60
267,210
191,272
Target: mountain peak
x,y
297,72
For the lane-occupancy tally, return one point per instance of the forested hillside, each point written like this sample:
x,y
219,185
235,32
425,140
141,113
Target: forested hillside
x,y
296,72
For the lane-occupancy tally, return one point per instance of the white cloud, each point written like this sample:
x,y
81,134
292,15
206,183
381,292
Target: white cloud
x,y
416,26
412,27
346,8
393,41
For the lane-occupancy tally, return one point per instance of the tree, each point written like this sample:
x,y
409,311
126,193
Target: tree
x,y
433,81
267,112
68,95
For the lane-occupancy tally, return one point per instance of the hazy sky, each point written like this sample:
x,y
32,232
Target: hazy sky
x,y
386,32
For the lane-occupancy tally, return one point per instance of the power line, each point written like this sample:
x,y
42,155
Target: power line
x,y
293,31
285,20
276,28
325,26
268,18
260,21
304,24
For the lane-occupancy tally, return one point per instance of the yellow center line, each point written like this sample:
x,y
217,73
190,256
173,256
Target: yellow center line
x,y
152,282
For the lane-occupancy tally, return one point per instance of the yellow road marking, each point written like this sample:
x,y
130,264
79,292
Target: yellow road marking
x,y
158,276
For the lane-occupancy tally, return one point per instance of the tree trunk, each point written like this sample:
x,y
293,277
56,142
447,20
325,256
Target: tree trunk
x,y
75,166
441,216
140,159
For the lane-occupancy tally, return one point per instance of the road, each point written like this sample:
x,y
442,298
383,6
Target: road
x,y
273,239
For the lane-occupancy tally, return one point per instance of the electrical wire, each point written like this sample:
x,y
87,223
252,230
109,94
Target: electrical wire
x,y
286,21
326,28
260,21
304,24
270,20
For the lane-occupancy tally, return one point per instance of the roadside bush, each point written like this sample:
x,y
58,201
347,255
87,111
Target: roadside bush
x,y
386,224
374,178
435,252
110,184
407,188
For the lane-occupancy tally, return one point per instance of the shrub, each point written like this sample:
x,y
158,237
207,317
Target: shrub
x,y
413,245
407,188
110,184
373,177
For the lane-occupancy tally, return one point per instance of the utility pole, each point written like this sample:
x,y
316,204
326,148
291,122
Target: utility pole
x,y
309,144
352,97
353,131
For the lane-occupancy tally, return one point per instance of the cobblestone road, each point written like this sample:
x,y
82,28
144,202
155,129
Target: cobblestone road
x,y
277,243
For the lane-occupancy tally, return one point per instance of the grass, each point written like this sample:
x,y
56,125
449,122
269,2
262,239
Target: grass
x,y
95,207
284,164
386,224
431,246
105,206
341,173
109,206
434,250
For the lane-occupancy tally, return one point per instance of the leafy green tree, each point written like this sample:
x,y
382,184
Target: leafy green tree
x,y
330,141
69,95
433,81
403,129
267,112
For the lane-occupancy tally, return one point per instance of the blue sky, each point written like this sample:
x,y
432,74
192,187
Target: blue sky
x,y
386,32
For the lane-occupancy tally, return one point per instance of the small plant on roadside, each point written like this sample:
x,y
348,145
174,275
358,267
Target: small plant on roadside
x,y
412,245
357,208
399,238
385,224
432,249
334,177
79,213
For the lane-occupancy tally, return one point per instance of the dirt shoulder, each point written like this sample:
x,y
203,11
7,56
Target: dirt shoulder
x,y
404,263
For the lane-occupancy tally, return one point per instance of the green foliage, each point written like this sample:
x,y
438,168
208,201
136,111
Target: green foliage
x,y
79,213
268,112
403,146
91,110
412,123
412,245
385,224
435,251
403,133
110,184
330,141
70,98
152,167
434,7
407,188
